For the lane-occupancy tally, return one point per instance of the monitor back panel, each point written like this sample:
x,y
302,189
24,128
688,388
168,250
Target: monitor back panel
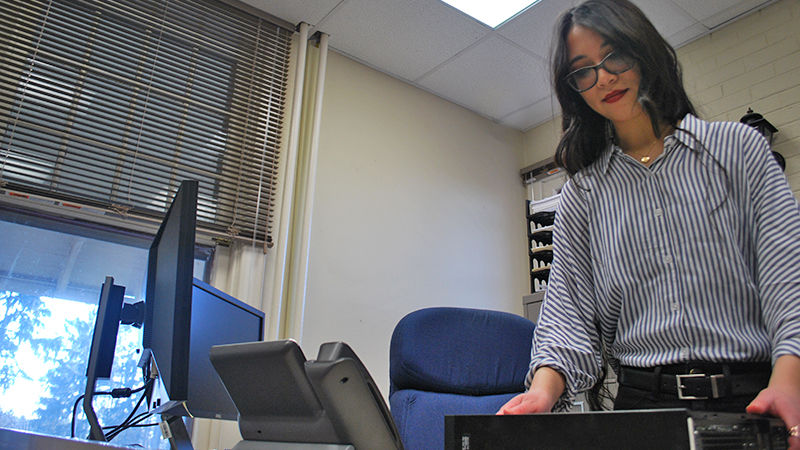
x,y
217,319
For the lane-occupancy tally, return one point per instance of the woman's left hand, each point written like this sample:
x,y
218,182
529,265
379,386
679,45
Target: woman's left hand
x,y
782,397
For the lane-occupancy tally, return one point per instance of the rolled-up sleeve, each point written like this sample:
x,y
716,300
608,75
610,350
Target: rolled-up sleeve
x,y
566,337
776,218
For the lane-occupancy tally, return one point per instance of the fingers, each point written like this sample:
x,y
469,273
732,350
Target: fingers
x,y
521,404
794,437
757,407
780,404
528,403
505,409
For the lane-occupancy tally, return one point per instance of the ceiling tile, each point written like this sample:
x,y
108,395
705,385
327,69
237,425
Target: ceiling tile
x,y
667,17
494,78
533,115
404,38
687,35
713,13
533,29
296,11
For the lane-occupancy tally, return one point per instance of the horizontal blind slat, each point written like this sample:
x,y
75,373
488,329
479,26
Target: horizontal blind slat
x,y
113,102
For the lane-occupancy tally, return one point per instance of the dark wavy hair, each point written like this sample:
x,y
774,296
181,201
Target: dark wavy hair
x,y
661,93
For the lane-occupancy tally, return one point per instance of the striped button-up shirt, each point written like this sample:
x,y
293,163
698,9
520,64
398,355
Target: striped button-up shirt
x,y
696,257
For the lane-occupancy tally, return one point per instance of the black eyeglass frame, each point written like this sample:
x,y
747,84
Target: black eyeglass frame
x,y
569,77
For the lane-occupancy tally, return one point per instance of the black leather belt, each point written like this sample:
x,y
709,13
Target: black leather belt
x,y
696,385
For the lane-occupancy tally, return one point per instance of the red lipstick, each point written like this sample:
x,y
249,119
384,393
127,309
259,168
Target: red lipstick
x,y
614,96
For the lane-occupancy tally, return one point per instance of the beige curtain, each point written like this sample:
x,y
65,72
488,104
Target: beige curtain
x,y
274,280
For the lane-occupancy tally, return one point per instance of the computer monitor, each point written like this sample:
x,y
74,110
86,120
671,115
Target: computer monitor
x,y
185,317
217,319
168,292
101,351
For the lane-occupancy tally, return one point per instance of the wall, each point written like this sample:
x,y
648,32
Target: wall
x,y
418,203
539,143
752,62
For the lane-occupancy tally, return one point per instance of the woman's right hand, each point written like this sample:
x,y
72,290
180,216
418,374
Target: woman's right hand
x,y
546,388
527,403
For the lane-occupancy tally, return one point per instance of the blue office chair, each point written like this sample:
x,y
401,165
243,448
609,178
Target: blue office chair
x,y
447,361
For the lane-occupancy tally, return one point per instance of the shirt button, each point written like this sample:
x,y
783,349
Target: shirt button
x,y
659,212
674,306
684,353
667,259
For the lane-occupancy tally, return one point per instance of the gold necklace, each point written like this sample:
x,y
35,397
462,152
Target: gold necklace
x,y
646,158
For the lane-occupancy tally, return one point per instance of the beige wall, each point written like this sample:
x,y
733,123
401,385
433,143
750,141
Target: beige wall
x,y
418,203
753,62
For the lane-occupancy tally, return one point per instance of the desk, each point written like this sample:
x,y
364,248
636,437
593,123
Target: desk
x,y
25,440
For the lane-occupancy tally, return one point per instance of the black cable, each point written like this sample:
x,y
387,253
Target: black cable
x,y
124,425
114,393
75,407
136,422
128,420
145,425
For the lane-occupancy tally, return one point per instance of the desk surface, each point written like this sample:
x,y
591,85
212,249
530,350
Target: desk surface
x,y
26,440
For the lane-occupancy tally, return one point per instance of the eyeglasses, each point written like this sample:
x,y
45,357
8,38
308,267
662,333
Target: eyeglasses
x,y
585,78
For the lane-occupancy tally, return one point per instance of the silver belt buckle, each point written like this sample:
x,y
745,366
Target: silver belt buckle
x,y
714,386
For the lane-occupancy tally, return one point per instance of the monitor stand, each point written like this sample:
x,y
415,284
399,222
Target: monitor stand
x,y
174,429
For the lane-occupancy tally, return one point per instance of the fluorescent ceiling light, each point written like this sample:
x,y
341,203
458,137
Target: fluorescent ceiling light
x,y
493,12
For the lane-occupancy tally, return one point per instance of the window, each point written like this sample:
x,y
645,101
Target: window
x,y
110,104
49,287
105,107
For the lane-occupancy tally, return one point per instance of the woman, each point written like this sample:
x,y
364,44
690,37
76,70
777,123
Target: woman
x,y
677,241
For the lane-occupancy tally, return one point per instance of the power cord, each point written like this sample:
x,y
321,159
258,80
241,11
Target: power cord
x,y
134,423
114,393
129,421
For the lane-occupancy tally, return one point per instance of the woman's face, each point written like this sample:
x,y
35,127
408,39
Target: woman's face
x,y
614,96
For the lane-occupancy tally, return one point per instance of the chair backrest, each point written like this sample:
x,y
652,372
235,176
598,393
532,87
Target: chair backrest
x,y
460,351
449,361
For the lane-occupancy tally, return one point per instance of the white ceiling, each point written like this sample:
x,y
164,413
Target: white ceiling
x,y
498,73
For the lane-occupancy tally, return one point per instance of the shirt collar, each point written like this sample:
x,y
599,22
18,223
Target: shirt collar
x,y
605,158
689,130
688,127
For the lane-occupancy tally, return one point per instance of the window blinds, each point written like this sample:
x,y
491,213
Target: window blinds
x,y
111,103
